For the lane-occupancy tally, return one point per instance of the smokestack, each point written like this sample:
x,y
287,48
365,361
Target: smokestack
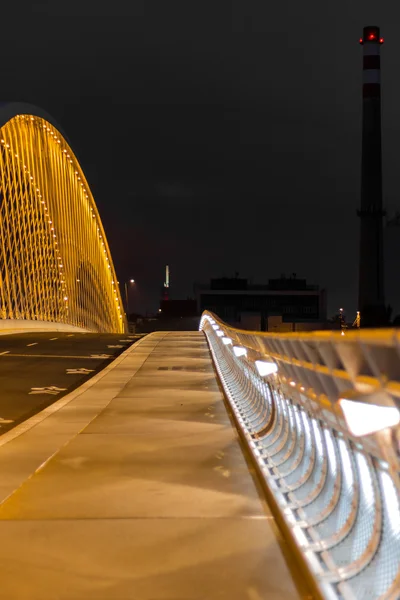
x,y
371,299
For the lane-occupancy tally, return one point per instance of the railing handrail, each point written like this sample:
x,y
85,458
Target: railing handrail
x,y
320,385
320,412
358,368
380,336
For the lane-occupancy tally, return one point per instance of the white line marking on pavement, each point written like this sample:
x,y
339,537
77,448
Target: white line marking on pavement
x,y
34,344
124,340
59,404
52,389
114,346
70,335
80,371
6,420
100,356
51,339
5,352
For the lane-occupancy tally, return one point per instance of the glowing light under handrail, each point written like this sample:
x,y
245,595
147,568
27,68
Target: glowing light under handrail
x,y
226,341
363,418
266,367
220,333
239,351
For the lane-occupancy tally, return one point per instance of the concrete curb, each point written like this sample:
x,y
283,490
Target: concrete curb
x,y
13,326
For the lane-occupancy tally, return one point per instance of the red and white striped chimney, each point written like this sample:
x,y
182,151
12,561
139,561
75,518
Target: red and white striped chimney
x,y
371,276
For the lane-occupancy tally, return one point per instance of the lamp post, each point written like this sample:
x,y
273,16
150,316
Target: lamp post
x,y
131,281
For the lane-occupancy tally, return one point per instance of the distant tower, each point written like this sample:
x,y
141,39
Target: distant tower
x,y
371,299
166,284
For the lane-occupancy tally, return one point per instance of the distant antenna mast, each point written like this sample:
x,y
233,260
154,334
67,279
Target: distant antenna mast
x,y
166,283
357,320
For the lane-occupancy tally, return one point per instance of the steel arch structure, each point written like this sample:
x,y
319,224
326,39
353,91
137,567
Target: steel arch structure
x,y
55,263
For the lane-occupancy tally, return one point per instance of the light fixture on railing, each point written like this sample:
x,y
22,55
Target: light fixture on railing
x,y
266,367
215,327
226,341
364,414
220,333
239,351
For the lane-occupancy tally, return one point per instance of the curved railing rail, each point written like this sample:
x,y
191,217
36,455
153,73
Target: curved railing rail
x,y
321,415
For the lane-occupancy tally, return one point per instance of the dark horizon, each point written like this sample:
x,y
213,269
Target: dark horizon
x,y
216,139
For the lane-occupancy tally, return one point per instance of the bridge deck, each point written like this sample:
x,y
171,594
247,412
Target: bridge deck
x,y
144,493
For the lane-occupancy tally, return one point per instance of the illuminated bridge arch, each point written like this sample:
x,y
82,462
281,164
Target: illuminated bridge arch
x,y
55,263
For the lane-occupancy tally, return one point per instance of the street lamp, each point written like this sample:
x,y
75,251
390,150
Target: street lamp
x,y
130,282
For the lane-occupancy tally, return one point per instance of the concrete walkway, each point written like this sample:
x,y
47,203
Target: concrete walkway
x,y
136,488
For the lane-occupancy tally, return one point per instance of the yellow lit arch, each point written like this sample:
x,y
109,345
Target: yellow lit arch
x,y
55,263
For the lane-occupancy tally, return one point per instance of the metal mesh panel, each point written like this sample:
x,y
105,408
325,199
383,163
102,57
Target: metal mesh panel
x,y
356,542
338,524
324,503
291,461
382,572
295,479
317,476
280,457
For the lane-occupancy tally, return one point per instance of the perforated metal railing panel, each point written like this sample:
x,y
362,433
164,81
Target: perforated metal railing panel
x,y
338,491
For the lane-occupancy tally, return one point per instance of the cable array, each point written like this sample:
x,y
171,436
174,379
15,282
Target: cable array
x,y
55,263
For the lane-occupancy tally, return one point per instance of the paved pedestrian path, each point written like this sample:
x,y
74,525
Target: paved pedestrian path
x,y
135,487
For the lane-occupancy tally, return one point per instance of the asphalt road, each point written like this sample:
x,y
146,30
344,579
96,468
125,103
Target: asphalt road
x,y
42,360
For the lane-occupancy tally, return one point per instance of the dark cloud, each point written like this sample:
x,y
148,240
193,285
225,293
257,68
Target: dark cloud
x,y
216,136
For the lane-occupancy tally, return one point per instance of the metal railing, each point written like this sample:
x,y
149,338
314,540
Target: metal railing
x,y
320,412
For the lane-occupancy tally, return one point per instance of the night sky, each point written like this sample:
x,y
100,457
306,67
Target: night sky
x,y
216,136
